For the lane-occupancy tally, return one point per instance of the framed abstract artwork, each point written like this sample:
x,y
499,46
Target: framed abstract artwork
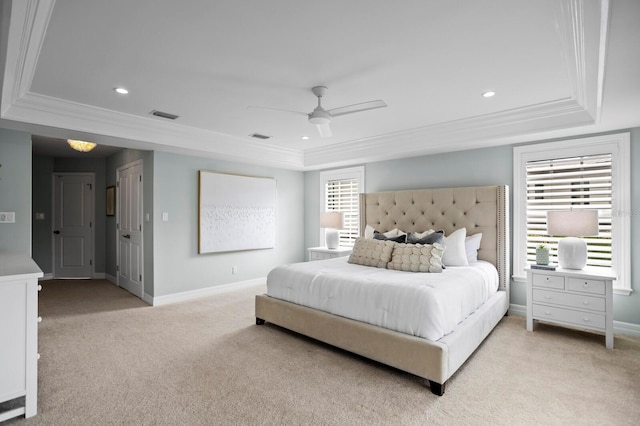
x,y
235,212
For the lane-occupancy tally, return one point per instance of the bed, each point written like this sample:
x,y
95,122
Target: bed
x,y
478,210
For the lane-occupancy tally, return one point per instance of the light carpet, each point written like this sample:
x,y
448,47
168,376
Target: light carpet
x,y
108,358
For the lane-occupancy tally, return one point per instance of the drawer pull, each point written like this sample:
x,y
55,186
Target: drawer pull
x,y
585,285
39,319
38,355
547,313
39,287
546,278
547,297
585,302
585,319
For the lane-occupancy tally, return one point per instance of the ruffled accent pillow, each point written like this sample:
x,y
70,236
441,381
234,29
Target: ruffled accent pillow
x,y
371,252
417,257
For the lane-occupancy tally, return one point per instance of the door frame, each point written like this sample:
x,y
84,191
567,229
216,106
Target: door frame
x,y
92,247
119,170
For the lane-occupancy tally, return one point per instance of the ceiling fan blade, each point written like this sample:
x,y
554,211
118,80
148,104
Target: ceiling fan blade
x,y
278,109
324,130
350,109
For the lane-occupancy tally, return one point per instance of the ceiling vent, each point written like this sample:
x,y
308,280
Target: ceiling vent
x,y
259,136
164,115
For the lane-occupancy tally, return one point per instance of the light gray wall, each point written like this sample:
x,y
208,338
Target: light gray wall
x,y
486,166
177,265
15,190
42,203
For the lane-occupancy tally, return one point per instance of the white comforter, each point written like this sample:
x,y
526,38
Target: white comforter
x,y
427,305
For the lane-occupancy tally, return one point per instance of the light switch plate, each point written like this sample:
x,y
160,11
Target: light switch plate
x,y
7,217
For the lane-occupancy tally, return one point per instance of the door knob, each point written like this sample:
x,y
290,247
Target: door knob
x,y
56,232
127,236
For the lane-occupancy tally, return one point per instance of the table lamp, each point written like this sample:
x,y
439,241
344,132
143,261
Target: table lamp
x,y
332,222
572,224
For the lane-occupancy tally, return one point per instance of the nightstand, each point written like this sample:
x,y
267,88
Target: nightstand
x,y
575,298
320,253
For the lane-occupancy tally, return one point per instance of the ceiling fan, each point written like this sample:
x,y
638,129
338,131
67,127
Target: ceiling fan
x,y
322,117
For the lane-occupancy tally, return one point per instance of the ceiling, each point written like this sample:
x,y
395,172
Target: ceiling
x,y
558,67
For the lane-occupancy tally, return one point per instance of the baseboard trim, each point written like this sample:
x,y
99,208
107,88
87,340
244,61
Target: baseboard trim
x,y
111,279
519,310
626,328
203,292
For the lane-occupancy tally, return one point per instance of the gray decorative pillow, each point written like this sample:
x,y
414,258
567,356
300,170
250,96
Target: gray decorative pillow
x,y
371,252
431,238
417,257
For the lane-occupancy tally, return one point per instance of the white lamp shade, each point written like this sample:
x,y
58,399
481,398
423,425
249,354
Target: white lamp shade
x,y
333,220
572,223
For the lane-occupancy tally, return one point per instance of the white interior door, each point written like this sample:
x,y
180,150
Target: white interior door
x,y
73,219
129,219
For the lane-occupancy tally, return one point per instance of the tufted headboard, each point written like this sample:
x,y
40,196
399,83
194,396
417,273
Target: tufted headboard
x,y
479,209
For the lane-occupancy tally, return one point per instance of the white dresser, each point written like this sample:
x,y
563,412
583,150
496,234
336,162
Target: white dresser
x,y
320,253
18,334
576,298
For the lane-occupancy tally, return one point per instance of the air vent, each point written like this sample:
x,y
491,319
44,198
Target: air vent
x,y
259,136
164,115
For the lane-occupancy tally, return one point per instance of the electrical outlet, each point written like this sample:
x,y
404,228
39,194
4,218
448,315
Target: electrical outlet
x,y
7,217
234,269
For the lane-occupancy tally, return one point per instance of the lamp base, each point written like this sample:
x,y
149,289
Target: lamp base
x,y
332,238
572,253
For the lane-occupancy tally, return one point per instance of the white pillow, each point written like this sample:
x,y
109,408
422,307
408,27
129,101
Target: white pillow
x,y
472,245
455,253
368,232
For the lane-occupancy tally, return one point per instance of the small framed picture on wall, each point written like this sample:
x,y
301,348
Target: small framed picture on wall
x,y
111,201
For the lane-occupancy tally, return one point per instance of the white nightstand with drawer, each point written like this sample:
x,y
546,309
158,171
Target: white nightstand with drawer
x,y
320,253
575,298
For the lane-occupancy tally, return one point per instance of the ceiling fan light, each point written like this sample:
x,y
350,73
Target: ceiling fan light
x,y
81,146
320,121
319,117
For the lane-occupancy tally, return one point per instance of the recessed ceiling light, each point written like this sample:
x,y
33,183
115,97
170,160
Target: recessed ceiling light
x,y
304,138
121,90
488,94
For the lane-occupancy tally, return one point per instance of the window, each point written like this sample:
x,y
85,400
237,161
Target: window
x,y
340,191
589,173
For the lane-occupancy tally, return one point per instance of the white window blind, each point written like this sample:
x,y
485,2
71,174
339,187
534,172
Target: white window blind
x,y
342,196
576,183
340,191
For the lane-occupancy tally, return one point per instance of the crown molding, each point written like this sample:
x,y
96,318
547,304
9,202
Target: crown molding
x,y
579,21
173,137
